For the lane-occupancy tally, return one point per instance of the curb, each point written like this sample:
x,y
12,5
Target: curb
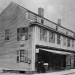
x,y
69,73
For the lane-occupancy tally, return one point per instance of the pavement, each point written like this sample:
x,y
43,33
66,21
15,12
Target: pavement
x,y
65,72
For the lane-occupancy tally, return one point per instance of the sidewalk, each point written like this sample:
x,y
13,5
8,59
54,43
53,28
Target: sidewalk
x,y
66,72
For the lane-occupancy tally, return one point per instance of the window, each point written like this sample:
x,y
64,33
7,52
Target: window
x,y
22,53
6,34
51,37
42,21
68,42
58,39
21,56
30,16
43,34
64,40
72,43
22,33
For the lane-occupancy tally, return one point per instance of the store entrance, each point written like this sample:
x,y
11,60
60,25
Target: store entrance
x,y
50,61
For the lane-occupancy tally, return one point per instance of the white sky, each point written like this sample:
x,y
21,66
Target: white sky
x,y
54,9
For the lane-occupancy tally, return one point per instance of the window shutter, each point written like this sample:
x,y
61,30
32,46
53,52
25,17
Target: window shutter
x,y
26,54
18,56
26,33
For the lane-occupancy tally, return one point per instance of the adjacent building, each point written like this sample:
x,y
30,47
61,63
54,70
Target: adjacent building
x,y
27,38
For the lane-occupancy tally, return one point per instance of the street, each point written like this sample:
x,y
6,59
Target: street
x,y
65,72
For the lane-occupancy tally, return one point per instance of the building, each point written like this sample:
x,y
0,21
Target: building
x,y
26,38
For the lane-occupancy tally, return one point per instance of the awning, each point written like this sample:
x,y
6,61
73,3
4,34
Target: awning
x,y
56,52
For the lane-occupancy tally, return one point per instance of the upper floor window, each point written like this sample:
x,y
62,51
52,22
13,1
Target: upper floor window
x,y
68,42
72,43
29,16
22,33
64,41
6,34
58,39
43,34
42,21
51,37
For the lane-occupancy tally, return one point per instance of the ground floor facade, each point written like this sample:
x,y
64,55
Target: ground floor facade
x,y
48,60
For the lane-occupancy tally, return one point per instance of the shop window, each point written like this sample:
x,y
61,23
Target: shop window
x,y
58,39
21,56
43,34
64,40
22,33
51,37
6,34
68,42
72,43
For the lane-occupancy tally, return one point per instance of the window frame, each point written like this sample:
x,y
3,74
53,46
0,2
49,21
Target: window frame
x,y
43,34
58,39
68,42
7,35
22,56
64,41
21,33
51,37
72,43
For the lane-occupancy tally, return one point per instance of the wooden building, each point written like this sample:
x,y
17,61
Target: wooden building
x,y
25,37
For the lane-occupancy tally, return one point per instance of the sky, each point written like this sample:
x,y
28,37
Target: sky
x,y
53,9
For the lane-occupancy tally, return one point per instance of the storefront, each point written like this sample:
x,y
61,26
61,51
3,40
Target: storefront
x,y
53,60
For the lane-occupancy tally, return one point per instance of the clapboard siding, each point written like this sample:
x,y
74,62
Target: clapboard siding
x,y
12,18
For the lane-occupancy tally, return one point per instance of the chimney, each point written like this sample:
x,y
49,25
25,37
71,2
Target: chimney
x,y
59,21
41,11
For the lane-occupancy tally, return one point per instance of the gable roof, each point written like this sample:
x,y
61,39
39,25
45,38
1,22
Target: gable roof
x,y
36,15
